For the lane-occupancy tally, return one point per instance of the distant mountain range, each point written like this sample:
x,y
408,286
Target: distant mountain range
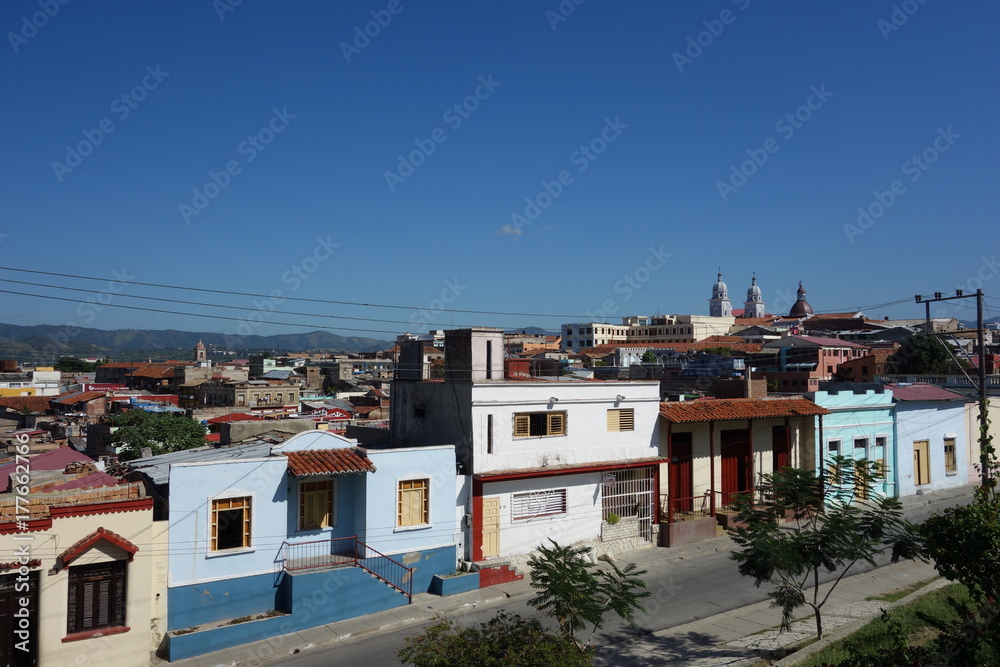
x,y
990,323
45,342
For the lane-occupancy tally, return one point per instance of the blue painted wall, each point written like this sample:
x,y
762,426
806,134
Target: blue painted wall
x,y
198,604
869,415
313,599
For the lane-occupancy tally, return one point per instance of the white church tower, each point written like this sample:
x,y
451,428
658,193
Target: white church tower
x,y
719,304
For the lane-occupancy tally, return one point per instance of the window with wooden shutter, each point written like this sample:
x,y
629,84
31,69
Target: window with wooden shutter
x,y
537,424
96,597
621,420
412,508
315,505
950,462
231,523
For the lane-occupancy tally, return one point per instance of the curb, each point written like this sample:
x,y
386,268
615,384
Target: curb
x,y
850,628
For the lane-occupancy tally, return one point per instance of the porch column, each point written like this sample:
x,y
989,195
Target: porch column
x,y
788,442
670,487
711,466
752,479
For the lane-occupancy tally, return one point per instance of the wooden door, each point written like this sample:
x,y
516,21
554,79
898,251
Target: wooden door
x,y
491,527
735,464
781,447
681,473
10,604
921,462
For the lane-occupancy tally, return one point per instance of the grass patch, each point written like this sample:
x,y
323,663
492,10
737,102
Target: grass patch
x,y
874,637
896,595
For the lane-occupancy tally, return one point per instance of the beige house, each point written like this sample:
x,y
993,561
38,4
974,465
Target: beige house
x,y
81,576
719,448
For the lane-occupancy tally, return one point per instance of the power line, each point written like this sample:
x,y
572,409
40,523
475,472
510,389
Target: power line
x,y
288,298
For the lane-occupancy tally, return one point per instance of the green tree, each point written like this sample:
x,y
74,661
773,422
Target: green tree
x,y
160,431
506,640
73,365
922,355
836,521
720,351
578,594
649,358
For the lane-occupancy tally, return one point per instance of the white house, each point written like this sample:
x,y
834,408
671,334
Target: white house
x,y
542,458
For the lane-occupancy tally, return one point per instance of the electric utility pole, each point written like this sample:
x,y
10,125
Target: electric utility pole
x,y
985,449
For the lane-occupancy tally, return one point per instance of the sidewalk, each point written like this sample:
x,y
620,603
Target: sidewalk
x,y
725,639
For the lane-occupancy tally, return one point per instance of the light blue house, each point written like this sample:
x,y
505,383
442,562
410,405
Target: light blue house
x,y
267,539
931,438
860,426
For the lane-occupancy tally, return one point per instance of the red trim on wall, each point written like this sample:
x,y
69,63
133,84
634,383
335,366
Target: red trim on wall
x,y
34,525
103,632
569,470
82,545
108,507
477,519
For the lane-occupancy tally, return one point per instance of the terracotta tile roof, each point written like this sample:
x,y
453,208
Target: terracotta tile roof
x,y
153,371
328,462
33,403
68,556
79,397
738,408
234,417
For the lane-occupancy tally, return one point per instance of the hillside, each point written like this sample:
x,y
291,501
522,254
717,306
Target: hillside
x,y
44,342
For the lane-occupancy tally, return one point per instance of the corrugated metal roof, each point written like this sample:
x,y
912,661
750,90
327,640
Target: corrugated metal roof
x,y
157,468
923,392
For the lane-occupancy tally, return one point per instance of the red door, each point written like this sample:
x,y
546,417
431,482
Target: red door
x,y
780,447
681,473
735,464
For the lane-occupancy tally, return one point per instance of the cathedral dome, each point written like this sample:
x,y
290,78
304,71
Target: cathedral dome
x,y
801,308
753,290
720,291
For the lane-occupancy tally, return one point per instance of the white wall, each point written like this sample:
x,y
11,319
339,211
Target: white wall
x,y
582,521
587,439
931,421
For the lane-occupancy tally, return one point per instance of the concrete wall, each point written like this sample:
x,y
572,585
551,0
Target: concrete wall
x,y
931,421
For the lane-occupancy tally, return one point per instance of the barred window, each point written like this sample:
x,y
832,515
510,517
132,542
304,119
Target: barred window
x,y
950,463
538,503
231,523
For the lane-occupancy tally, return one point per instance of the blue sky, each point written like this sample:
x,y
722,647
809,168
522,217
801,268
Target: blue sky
x,y
604,158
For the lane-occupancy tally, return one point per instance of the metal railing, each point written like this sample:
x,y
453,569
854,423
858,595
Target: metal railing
x,y
319,553
386,569
685,509
348,551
